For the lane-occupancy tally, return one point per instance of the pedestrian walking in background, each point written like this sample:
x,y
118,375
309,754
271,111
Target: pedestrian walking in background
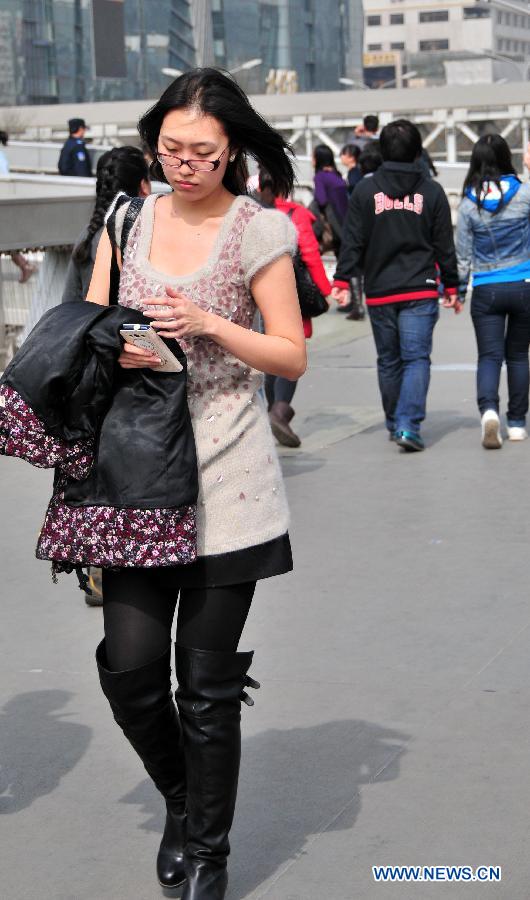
x,y
120,169
493,245
366,133
349,157
4,165
330,197
427,162
74,158
352,304
200,262
399,230
370,160
280,391
27,269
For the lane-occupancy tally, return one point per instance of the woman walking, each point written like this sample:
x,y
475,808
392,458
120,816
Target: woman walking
x,y
493,243
200,262
331,192
280,391
120,169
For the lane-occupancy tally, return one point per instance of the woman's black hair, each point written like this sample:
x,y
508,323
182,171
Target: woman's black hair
x,y
120,169
323,156
491,158
352,150
216,94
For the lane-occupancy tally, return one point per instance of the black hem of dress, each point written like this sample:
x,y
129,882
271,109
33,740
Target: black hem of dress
x,y
239,566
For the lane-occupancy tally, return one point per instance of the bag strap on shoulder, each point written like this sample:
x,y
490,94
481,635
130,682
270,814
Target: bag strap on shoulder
x,y
131,214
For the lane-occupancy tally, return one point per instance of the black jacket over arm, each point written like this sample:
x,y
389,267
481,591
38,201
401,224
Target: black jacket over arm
x,y
136,421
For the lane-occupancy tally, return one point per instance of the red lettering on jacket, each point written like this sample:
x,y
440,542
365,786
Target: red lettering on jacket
x,y
383,203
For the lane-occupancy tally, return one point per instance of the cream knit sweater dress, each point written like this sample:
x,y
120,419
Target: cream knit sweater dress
x,y
242,515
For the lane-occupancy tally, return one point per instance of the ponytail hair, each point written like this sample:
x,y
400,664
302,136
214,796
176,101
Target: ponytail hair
x,y
120,169
216,94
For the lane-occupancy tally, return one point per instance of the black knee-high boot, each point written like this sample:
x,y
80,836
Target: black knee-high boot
x,y
142,704
210,690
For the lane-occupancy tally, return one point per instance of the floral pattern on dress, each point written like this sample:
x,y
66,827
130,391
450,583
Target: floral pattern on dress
x,y
213,372
116,538
22,434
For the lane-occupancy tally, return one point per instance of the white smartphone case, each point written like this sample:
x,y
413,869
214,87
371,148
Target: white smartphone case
x,y
150,340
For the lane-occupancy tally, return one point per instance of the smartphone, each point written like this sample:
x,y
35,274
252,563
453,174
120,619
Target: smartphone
x,y
146,337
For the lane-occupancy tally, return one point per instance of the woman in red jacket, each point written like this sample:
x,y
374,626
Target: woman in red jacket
x,y
280,391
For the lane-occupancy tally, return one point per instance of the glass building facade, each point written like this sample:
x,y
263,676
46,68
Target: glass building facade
x,y
46,51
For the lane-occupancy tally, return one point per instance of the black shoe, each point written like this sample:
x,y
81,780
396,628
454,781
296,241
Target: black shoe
x,y
211,687
170,867
205,882
408,440
143,707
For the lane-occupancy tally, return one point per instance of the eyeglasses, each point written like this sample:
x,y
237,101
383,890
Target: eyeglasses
x,y
196,165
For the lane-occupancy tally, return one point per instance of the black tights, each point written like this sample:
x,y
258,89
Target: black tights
x,y
139,607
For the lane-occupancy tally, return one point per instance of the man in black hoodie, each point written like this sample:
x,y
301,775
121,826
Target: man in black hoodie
x,y
398,233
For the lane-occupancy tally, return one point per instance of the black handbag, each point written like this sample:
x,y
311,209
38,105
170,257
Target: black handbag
x,y
312,301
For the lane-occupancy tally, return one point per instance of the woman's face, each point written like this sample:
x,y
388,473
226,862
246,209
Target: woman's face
x,y
189,134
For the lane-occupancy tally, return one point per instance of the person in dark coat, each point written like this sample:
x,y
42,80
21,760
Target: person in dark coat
x,y
398,232
349,157
74,159
120,169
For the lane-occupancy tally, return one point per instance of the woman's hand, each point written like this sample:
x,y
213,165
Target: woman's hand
x,y
452,301
180,319
133,357
341,295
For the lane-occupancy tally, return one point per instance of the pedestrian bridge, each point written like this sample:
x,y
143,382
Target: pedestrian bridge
x,y
451,117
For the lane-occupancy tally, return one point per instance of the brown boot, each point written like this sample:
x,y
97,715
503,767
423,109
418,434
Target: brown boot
x,y
280,414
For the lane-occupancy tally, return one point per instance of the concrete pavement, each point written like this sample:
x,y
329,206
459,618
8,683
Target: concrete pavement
x,y
392,723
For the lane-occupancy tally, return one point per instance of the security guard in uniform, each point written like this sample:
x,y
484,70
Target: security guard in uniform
x,y
74,158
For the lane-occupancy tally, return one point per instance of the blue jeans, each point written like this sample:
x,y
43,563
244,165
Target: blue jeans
x,y
403,339
501,317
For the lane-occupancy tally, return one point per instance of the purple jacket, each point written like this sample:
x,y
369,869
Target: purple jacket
x,y
331,188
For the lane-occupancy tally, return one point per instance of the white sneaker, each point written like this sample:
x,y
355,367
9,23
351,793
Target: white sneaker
x,y
491,430
517,433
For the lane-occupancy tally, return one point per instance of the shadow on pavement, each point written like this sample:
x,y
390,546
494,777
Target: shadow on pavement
x,y
436,427
300,464
37,747
295,783
445,422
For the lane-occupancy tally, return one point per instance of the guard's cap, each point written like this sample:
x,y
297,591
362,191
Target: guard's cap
x,y
75,124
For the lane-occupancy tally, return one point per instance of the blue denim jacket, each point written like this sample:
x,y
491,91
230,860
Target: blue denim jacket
x,y
494,246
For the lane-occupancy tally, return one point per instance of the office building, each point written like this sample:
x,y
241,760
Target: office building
x,y
459,41
47,46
